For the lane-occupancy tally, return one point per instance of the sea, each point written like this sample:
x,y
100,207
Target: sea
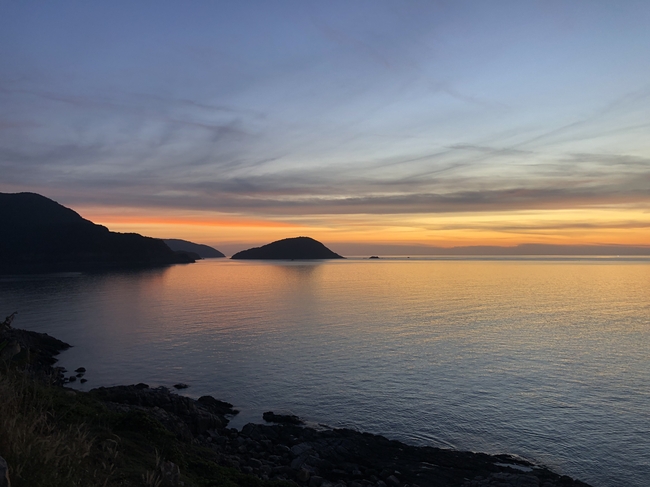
x,y
546,358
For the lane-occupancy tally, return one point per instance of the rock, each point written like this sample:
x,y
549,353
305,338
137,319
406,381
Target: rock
x,y
303,475
40,349
316,481
300,448
216,406
81,370
83,381
282,449
180,385
181,415
72,378
392,481
271,417
251,431
4,473
527,481
298,462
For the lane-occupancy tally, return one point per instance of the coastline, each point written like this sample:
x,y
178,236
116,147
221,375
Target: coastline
x,y
282,450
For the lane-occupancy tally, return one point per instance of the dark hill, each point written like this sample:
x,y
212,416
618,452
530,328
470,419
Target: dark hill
x,y
289,248
203,251
40,235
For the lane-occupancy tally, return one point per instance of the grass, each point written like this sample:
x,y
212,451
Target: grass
x,y
54,437
39,449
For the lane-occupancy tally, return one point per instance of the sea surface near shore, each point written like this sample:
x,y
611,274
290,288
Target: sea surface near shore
x,y
544,358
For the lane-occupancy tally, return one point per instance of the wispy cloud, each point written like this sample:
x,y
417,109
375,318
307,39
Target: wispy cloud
x,y
347,112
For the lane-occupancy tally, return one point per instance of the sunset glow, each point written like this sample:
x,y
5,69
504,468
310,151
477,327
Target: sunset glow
x,y
434,124
607,226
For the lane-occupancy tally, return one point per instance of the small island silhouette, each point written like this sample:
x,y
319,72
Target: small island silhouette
x,y
202,251
297,248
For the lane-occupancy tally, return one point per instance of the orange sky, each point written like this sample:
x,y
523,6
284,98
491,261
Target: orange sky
x,y
593,226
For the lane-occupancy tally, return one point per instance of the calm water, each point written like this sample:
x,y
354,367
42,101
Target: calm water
x,y
547,359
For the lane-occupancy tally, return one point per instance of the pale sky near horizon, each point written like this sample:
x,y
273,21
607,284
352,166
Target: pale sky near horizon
x,y
410,122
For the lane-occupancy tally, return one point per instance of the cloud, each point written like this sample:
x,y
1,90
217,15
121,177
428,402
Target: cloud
x,y
312,142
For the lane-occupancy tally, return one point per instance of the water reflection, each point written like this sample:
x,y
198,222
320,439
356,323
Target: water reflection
x,y
546,359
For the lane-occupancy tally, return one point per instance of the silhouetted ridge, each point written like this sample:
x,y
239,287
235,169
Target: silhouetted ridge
x,y
39,234
289,248
203,251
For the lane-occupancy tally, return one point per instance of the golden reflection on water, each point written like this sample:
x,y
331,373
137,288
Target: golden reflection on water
x,y
544,358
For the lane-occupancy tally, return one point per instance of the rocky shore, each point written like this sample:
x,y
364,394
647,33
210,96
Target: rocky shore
x,y
282,449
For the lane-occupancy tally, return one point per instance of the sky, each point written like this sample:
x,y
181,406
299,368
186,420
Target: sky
x,y
364,124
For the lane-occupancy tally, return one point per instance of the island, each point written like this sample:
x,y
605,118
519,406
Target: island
x,y
297,248
203,251
40,235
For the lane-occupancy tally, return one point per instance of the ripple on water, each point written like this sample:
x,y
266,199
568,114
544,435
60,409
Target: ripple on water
x,y
544,359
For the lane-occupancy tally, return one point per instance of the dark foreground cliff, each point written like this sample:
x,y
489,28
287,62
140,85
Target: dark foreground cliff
x,y
138,435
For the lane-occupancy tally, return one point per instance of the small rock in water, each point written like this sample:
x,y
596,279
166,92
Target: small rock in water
x,y
271,417
80,370
180,385
72,378
83,381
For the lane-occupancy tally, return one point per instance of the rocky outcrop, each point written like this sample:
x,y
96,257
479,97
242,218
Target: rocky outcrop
x,y
298,248
325,457
288,450
36,351
181,415
271,417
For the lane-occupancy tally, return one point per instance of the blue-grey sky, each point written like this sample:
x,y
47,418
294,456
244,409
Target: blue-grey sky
x,y
321,112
